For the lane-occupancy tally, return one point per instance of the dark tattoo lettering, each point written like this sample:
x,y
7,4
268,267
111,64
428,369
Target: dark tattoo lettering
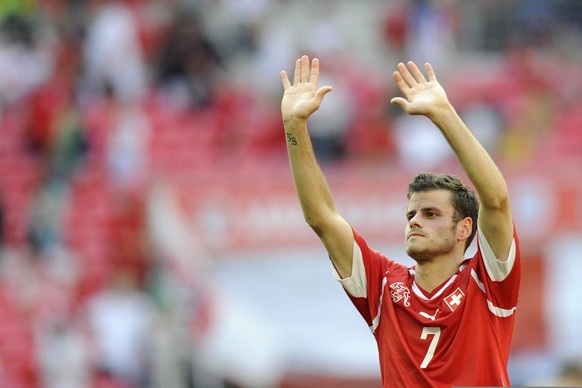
x,y
291,139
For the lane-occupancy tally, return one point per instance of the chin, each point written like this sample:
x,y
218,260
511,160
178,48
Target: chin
x,y
421,258
423,254
418,255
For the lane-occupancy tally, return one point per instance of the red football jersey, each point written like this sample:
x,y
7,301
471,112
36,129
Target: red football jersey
x,y
459,334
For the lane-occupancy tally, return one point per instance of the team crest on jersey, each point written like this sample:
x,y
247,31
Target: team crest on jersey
x,y
454,300
398,292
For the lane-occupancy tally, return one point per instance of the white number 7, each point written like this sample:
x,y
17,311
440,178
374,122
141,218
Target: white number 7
x,y
426,331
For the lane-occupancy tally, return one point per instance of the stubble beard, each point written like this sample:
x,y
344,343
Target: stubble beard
x,y
434,250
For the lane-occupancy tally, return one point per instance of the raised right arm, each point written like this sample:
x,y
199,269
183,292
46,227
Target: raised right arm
x,y
299,101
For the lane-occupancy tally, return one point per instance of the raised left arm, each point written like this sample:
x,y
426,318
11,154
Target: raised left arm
x,y
428,98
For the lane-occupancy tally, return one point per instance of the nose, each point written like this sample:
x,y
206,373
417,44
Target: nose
x,y
414,221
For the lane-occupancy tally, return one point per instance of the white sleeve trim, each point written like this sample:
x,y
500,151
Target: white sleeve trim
x,y
496,269
495,310
356,285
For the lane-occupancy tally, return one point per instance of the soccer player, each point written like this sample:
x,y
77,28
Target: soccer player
x,y
446,321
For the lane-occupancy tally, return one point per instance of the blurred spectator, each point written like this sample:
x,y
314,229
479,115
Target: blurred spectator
x,y
562,305
533,102
58,329
117,137
129,238
113,53
26,59
235,26
371,135
121,320
433,32
396,26
486,123
329,127
49,203
71,368
54,127
188,62
534,22
419,145
275,51
127,145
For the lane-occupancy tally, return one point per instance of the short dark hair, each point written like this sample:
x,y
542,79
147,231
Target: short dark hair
x,y
464,200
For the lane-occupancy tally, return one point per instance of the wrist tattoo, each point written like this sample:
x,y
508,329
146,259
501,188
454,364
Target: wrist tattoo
x,y
291,139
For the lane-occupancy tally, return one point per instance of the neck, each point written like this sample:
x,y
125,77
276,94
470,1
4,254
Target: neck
x,y
429,274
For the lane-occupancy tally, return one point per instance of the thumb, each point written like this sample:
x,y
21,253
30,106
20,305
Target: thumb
x,y
399,101
322,92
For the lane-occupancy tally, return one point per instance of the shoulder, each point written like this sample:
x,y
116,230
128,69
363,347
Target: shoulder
x,y
373,258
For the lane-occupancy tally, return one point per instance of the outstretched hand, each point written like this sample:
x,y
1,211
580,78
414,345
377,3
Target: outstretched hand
x,y
302,98
422,97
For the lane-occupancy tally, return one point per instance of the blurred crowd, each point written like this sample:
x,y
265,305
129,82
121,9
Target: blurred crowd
x,y
100,98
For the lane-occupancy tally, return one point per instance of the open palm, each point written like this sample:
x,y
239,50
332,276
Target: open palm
x,y
302,98
422,96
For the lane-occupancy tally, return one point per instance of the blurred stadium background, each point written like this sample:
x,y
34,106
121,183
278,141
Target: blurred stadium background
x,y
151,236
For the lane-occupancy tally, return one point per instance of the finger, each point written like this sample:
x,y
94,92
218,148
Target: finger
x,y
430,72
418,76
402,85
314,77
408,78
285,80
297,76
304,68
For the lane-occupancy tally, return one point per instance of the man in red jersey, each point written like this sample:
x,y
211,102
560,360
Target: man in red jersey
x,y
447,321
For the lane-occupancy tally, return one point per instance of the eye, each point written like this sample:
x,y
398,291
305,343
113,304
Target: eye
x,y
430,214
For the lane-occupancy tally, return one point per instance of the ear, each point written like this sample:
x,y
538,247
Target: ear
x,y
464,229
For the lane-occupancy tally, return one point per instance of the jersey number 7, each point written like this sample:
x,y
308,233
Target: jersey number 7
x,y
436,333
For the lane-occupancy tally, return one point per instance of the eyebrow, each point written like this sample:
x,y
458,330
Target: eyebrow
x,y
425,210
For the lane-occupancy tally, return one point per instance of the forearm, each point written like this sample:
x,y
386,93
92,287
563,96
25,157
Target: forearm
x,y
476,162
312,188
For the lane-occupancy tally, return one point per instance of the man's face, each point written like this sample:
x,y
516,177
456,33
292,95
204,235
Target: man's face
x,y
430,231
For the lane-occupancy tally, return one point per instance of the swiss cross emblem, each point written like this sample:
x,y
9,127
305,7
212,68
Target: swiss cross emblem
x,y
454,300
